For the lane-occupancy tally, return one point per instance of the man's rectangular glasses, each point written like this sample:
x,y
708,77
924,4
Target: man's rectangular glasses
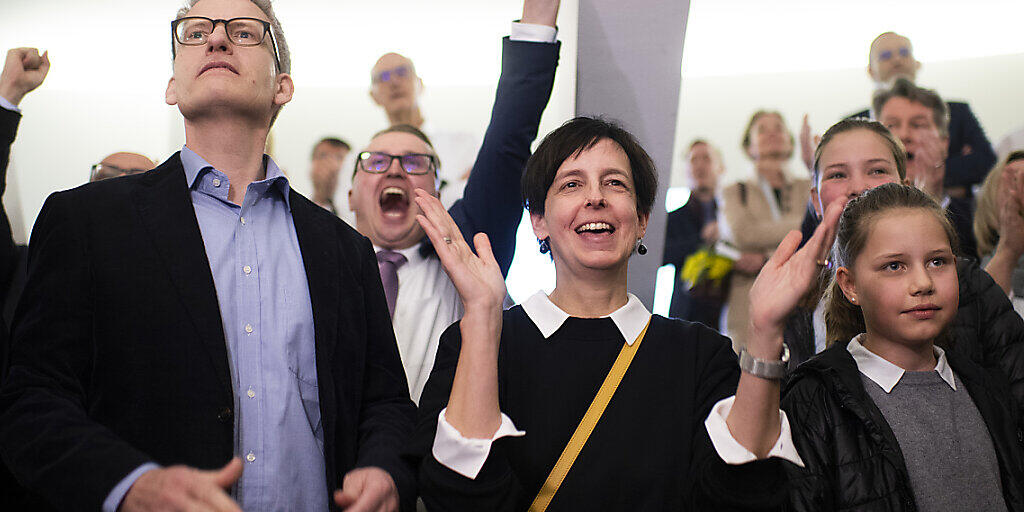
x,y
196,30
376,163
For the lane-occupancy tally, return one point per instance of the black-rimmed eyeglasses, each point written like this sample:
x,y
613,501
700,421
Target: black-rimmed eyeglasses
x,y
376,163
196,30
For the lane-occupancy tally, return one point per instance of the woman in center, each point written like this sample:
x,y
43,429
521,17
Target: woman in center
x,y
509,390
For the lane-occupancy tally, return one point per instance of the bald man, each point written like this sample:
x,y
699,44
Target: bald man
x,y
120,164
891,56
396,87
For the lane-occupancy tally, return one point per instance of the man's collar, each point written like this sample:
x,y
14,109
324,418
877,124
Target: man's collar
x,y
630,319
412,254
194,165
886,374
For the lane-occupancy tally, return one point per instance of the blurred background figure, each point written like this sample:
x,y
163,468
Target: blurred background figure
x,y
692,227
120,164
920,119
969,152
999,227
329,155
758,213
396,88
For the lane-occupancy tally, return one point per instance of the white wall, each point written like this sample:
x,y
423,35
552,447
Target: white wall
x,y
106,97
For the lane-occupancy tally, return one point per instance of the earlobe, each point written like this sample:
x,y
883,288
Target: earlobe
x,y
285,89
643,224
540,226
845,280
170,97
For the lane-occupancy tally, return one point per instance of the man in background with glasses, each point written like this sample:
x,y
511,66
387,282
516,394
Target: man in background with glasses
x,y
120,164
400,159
185,323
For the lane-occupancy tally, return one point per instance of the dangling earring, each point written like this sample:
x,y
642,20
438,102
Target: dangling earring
x,y
641,249
545,247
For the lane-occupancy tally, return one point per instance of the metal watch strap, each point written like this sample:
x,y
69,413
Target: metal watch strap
x,y
765,368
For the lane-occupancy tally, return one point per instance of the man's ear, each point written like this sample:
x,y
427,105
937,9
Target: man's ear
x,y
373,96
845,280
170,95
351,205
285,89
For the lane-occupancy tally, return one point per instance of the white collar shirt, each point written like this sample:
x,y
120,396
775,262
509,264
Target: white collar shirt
x,y
887,374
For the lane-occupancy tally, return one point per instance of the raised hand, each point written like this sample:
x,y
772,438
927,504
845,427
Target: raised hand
x,y
927,170
540,12
184,488
477,277
1011,229
785,279
808,144
367,489
24,70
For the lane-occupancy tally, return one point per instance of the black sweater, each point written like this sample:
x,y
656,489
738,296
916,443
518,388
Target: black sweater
x,y
650,451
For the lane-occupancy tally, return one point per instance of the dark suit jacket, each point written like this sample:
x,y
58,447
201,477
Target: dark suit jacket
x,y
119,358
964,131
491,202
682,238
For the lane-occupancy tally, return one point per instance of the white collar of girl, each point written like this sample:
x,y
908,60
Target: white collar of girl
x,y
630,319
886,374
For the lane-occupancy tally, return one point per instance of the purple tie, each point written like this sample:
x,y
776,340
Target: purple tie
x,y
388,262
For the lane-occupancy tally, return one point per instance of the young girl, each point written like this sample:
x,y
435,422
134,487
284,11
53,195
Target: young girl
x,y
885,419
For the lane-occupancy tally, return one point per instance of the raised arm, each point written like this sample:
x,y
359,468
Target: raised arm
x,y
789,274
491,202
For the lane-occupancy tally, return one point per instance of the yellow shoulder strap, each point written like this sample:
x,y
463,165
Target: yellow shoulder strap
x,y
587,424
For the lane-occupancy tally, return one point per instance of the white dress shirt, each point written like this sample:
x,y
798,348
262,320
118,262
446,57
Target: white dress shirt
x,y
886,374
467,456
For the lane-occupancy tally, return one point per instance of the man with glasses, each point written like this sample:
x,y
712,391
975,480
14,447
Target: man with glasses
x,y
396,87
120,164
183,323
400,159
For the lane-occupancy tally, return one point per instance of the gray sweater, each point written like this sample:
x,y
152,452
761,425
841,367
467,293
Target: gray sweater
x,y
947,448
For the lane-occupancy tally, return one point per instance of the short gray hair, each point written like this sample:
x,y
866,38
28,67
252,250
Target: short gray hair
x,y
284,56
906,89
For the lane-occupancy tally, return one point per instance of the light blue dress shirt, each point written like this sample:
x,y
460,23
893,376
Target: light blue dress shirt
x,y
268,326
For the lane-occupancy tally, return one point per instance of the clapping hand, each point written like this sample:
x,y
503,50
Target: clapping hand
x,y
24,70
927,169
785,279
477,277
1011,213
367,489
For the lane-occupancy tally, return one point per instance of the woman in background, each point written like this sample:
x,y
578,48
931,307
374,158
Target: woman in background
x,y
758,213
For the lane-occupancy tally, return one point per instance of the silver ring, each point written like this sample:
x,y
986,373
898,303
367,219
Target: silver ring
x,y
447,240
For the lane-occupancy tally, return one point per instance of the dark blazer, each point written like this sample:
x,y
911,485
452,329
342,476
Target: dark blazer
x,y
119,357
682,238
964,132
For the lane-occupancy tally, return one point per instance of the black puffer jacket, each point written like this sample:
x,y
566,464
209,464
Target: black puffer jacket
x,y
853,460
986,329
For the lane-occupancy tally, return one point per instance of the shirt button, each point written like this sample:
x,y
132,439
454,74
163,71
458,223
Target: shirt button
x,y
247,269
248,328
242,220
216,182
250,393
250,457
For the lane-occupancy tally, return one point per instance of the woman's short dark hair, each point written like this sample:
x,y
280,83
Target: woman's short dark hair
x,y
574,137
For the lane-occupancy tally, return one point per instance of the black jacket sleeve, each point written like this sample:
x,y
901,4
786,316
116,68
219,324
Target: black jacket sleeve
x,y
964,170
757,485
491,203
496,487
807,405
43,413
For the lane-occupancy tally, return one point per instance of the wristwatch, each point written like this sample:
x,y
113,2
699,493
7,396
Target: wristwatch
x,y
765,368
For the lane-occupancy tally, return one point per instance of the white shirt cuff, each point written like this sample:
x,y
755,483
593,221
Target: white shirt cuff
x,y
732,452
533,33
463,455
11,106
